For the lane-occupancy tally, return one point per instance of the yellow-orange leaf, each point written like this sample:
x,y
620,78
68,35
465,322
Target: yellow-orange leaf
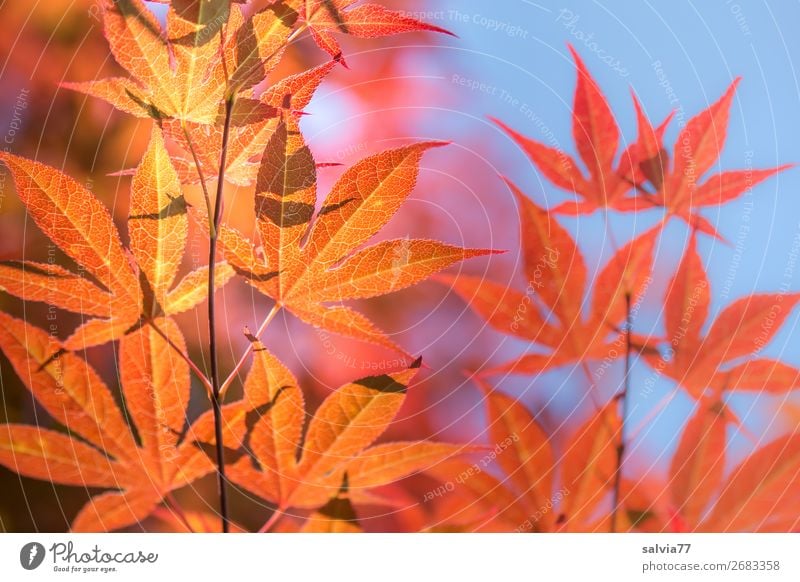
x,y
138,45
193,288
96,332
75,220
328,266
762,492
389,266
66,386
155,384
260,43
362,201
272,391
120,92
194,31
157,223
346,322
115,510
284,199
52,284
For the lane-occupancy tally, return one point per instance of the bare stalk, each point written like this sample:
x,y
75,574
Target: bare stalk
x,y
216,400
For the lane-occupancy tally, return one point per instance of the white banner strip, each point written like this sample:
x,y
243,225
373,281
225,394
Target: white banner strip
x,y
399,557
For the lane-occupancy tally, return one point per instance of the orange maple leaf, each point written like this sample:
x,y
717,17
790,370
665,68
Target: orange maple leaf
x,y
306,264
206,44
124,292
557,280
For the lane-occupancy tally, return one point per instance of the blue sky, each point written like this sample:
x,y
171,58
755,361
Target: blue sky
x,y
511,61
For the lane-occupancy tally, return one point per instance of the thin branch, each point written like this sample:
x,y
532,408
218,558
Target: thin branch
x,y
198,372
229,380
624,397
216,400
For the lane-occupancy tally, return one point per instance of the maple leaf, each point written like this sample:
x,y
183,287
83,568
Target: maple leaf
x,y
557,281
120,293
726,358
589,467
100,449
762,492
698,465
326,18
307,264
246,141
596,135
207,44
337,516
277,463
645,165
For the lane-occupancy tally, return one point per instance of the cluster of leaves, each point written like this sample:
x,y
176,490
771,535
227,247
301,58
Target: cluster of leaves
x,y
594,493
204,81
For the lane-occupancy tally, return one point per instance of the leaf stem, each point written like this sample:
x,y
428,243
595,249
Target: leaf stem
x,y
198,372
270,316
624,398
216,400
